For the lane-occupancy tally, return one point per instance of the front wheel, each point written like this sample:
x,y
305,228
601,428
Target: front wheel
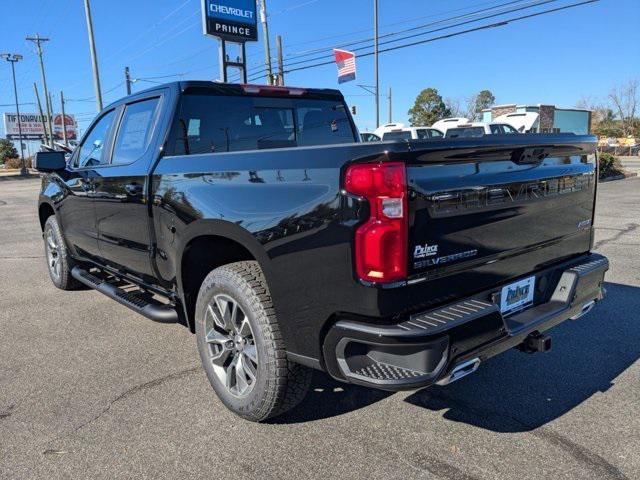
x,y
59,262
241,347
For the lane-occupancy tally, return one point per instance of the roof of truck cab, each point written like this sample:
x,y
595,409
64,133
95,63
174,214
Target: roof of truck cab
x,y
239,88
235,89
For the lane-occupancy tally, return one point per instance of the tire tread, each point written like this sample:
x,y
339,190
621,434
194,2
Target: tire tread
x,y
287,383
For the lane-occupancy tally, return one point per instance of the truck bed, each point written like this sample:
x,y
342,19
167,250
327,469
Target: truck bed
x,y
497,208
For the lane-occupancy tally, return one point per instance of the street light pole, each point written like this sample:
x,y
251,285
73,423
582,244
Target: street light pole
x,y
375,56
13,59
94,55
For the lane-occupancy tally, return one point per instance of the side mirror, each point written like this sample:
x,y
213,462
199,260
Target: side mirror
x,y
46,162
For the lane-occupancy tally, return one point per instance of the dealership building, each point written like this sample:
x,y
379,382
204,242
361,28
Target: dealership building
x,y
540,118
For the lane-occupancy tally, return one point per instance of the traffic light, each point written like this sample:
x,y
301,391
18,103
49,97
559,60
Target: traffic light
x,y
353,110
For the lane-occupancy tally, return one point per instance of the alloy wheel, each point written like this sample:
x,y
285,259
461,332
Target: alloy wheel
x,y
232,349
53,253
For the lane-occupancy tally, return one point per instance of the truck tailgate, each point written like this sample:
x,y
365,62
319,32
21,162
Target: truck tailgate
x,y
491,200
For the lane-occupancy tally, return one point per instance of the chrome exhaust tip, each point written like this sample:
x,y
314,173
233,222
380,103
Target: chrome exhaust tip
x,y
461,370
586,308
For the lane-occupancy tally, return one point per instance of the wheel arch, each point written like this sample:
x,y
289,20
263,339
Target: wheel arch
x,y
207,245
45,210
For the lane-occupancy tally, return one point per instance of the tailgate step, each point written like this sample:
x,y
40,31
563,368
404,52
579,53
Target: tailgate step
x,y
137,299
384,371
444,318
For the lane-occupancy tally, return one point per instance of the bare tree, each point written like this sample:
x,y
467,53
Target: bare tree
x,y
478,102
453,104
470,110
624,99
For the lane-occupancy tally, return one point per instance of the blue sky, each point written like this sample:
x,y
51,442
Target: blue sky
x,y
555,59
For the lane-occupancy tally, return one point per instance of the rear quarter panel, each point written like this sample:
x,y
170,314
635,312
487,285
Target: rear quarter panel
x,y
285,206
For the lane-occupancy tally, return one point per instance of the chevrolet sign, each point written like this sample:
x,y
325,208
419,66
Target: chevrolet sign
x,y
232,20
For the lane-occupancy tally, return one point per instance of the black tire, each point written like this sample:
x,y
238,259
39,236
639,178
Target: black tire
x,y
59,262
278,384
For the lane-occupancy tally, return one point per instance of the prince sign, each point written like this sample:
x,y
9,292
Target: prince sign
x,y
232,20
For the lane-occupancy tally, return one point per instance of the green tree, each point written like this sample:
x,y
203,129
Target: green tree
x,y
428,108
7,150
478,102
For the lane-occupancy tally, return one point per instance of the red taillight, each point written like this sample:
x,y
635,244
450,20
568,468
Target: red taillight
x,y
381,242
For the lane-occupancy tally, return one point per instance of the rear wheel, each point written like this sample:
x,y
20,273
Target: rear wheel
x,y
59,262
240,344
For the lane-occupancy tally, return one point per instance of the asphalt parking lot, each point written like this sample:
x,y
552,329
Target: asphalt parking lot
x,y
88,389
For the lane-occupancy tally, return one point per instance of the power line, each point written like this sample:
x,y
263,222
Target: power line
x,y
309,52
13,104
167,36
260,65
418,27
455,34
91,99
259,69
149,29
446,27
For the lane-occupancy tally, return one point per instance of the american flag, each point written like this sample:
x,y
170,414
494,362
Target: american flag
x,y
346,62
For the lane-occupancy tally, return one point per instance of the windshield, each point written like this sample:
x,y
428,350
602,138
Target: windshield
x,y
402,135
212,123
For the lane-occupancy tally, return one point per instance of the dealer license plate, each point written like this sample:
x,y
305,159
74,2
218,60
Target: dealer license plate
x,y
517,295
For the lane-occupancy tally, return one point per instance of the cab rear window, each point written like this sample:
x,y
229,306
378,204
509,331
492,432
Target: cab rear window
x,y
213,123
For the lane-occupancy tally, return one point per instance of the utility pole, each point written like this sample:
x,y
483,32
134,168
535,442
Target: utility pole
x,y
14,58
375,57
38,40
44,125
280,61
267,45
64,120
94,55
127,79
390,107
51,108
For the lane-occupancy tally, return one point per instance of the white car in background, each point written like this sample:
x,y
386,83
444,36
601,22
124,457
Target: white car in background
x,y
479,129
447,123
412,133
387,127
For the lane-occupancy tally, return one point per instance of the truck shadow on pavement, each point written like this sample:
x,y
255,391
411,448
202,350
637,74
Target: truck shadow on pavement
x,y
517,392
514,392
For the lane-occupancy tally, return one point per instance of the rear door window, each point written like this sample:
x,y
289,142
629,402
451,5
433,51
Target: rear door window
x,y
435,133
134,134
214,123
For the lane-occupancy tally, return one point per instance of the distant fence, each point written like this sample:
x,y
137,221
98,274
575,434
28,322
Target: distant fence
x,y
623,150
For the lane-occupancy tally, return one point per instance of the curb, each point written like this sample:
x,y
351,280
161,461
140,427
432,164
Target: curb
x,y
618,177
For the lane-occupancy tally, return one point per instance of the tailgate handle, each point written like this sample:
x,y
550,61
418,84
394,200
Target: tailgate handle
x,y
529,155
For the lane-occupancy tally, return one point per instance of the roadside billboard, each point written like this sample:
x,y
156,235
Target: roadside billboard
x,y
32,125
232,20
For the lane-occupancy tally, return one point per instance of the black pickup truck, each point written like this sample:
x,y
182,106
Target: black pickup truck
x,y
255,217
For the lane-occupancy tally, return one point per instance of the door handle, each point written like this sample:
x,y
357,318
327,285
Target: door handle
x,y
133,189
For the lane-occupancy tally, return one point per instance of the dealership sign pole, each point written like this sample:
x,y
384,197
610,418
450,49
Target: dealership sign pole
x,y
232,22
